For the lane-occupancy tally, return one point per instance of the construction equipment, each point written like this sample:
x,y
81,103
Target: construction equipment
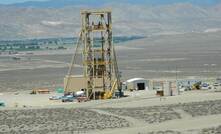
x,y
196,86
100,70
109,94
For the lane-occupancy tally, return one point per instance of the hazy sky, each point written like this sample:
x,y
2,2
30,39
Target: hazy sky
x,y
207,2
15,1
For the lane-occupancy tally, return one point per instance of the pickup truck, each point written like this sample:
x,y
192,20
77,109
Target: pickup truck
x,y
68,98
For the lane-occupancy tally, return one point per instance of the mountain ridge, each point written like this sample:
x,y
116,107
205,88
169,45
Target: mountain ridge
x,y
97,3
128,20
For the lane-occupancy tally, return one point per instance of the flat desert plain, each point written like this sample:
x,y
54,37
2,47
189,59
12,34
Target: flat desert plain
x,y
160,57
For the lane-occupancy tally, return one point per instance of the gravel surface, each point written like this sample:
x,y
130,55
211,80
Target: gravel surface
x,y
56,120
158,114
202,108
163,132
150,115
66,121
213,130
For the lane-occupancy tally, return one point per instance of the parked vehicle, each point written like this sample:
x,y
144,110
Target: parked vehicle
x,y
79,93
68,98
2,103
205,86
216,84
82,99
55,97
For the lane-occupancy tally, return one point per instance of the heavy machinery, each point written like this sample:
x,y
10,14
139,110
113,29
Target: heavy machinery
x,y
109,94
196,86
100,76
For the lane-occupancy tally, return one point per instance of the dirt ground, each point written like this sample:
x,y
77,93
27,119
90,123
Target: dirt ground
x,y
140,113
162,57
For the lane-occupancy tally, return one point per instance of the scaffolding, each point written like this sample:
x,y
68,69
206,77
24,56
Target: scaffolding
x,y
98,53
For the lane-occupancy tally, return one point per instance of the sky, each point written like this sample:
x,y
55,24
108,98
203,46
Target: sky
x,y
16,1
197,2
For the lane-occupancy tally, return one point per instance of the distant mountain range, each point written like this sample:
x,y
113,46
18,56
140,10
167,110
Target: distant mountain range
x,y
61,18
95,3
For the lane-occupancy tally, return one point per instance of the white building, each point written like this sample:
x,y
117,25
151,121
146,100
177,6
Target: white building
x,y
136,84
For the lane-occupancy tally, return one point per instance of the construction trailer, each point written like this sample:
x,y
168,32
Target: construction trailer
x,y
100,76
166,88
170,88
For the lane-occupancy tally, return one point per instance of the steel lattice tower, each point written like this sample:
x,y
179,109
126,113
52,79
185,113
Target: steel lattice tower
x,y
98,54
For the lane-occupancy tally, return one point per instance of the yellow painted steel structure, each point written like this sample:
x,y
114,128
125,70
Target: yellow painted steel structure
x,y
98,53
